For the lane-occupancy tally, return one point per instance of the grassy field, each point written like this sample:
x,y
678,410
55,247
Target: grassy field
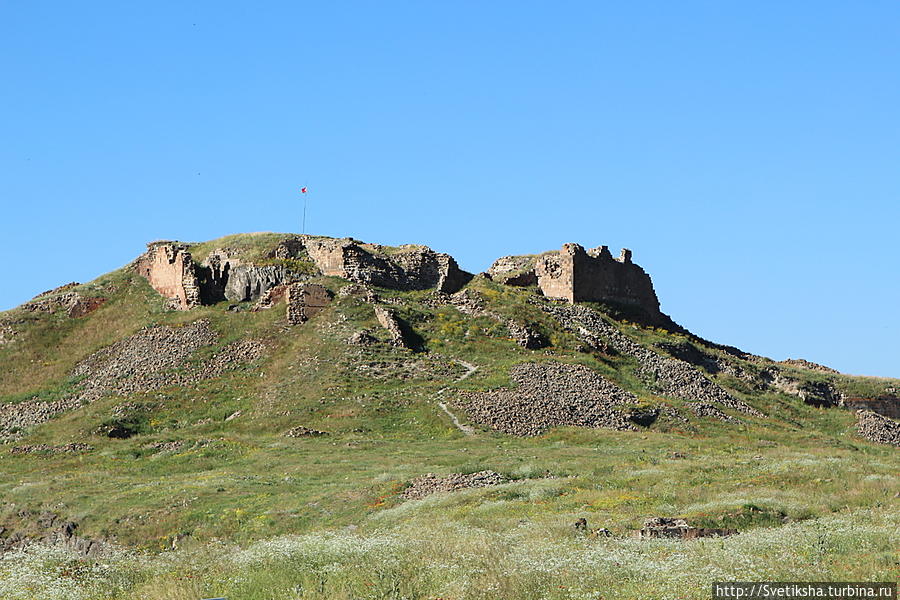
x,y
258,515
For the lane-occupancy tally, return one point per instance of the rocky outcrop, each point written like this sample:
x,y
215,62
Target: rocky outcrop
x,y
805,364
49,529
73,303
814,393
886,405
551,394
428,484
170,270
305,300
577,275
514,270
877,428
409,268
249,282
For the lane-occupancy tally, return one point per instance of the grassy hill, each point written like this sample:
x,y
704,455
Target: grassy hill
x,y
176,422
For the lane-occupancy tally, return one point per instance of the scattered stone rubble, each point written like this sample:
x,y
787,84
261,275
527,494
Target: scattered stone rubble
x,y
877,428
73,303
301,431
18,417
814,393
71,448
805,364
667,527
48,529
151,359
670,376
550,394
7,333
362,337
428,484
469,302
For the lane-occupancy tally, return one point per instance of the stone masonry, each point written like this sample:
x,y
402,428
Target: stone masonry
x,y
305,300
577,275
169,268
412,268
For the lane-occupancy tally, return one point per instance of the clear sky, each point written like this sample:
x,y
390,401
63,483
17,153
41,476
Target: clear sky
x,y
747,152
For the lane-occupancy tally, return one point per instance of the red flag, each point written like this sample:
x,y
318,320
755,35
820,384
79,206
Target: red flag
x,y
303,190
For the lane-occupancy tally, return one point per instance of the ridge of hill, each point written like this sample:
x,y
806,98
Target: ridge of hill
x,y
264,384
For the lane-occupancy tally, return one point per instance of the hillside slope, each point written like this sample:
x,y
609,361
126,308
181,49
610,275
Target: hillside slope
x,y
257,385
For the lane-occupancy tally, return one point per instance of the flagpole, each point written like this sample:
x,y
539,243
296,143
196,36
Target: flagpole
x,y
304,191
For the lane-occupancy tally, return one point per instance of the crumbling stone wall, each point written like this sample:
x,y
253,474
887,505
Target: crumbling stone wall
x,y
389,321
577,275
514,270
169,268
413,268
305,300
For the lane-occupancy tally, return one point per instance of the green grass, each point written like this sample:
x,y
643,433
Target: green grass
x,y
798,474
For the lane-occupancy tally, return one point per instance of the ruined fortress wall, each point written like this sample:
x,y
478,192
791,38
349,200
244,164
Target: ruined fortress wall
x,y
305,300
418,268
577,275
169,269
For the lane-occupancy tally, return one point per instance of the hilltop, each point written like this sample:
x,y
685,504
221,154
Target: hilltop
x,y
267,384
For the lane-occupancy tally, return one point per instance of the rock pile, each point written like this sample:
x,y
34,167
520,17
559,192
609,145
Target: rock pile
x,y
667,527
151,359
877,428
669,376
51,530
73,303
47,449
805,364
428,484
301,431
16,418
362,337
550,394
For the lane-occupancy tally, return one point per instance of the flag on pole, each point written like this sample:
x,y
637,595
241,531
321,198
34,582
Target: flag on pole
x,y
303,190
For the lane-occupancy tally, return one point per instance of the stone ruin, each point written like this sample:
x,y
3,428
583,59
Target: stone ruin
x,y
411,268
305,300
669,527
170,269
578,275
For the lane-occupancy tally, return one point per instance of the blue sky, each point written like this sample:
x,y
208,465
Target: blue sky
x,y
747,152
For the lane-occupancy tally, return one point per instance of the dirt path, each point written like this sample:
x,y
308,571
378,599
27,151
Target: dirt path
x,y
470,369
